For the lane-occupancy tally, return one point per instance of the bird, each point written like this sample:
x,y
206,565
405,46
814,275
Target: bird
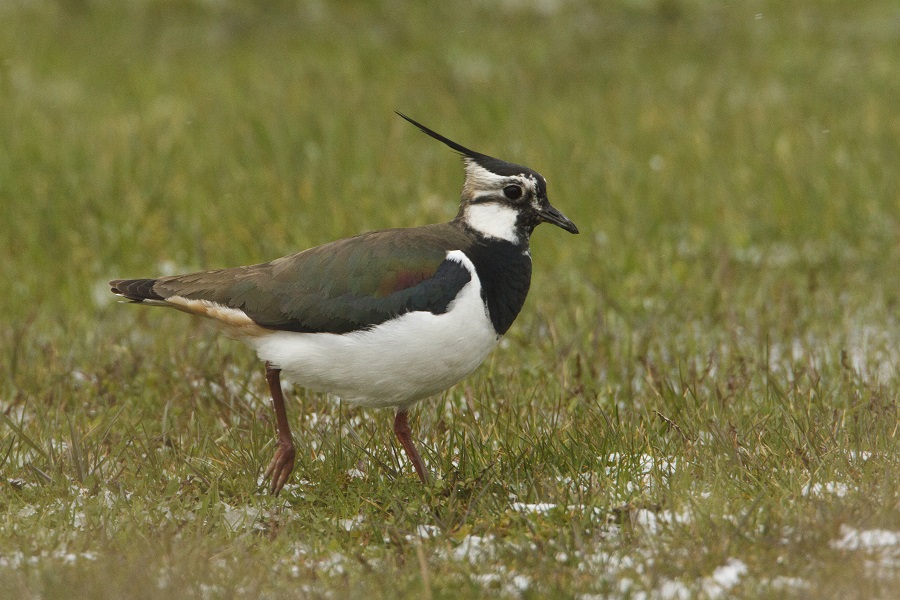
x,y
382,319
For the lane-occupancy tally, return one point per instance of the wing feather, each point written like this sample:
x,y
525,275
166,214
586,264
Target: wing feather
x,y
344,286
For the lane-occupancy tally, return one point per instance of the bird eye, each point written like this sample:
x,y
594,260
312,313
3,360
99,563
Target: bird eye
x,y
513,192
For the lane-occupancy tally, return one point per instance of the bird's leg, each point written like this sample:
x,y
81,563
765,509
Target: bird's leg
x,y
283,462
401,428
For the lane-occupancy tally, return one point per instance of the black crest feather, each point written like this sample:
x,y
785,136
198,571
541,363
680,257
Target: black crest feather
x,y
494,165
458,147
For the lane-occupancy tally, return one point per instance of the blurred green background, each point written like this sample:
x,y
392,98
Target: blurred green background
x,y
215,133
732,298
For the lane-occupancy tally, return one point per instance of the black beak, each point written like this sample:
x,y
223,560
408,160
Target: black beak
x,y
551,215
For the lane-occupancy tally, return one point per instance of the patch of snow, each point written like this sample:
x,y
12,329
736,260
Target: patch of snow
x,y
881,546
474,548
427,531
672,590
17,558
13,559
724,578
862,455
486,579
334,564
782,582
210,591
350,524
512,584
243,517
834,488
872,354
652,521
871,539
520,583
78,519
540,507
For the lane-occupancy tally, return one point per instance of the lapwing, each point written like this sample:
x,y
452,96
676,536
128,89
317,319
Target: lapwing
x,y
382,319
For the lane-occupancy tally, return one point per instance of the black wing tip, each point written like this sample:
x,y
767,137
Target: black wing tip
x,y
135,290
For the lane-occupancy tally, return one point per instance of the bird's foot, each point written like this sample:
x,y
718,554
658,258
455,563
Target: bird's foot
x,y
281,466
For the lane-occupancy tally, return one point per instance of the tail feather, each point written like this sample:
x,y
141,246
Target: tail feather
x,y
136,290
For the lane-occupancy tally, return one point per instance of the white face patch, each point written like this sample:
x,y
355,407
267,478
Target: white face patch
x,y
493,220
492,204
480,181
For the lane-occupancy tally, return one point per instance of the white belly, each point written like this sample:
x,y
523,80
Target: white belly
x,y
396,363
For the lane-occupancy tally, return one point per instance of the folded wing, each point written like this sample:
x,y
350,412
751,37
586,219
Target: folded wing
x,y
345,286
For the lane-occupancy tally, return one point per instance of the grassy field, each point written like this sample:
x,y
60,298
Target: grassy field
x,y
700,398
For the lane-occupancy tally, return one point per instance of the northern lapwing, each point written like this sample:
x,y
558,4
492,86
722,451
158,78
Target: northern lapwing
x,y
385,318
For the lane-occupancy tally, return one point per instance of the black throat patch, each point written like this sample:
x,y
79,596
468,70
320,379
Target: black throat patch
x,y
504,269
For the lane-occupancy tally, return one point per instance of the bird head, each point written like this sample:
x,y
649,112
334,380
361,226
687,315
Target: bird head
x,y
500,199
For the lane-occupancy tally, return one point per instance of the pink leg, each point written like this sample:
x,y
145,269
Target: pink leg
x,y
401,428
282,464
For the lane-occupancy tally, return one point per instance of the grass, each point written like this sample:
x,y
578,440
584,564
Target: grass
x,y
700,398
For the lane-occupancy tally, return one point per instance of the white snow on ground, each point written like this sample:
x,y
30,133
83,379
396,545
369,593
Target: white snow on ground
x,y
632,574
782,582
239,518
834,488
880,546
869,540
628,572
654,521
539,508
474,548
427,531
18,559
724,578
351,524
670,589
